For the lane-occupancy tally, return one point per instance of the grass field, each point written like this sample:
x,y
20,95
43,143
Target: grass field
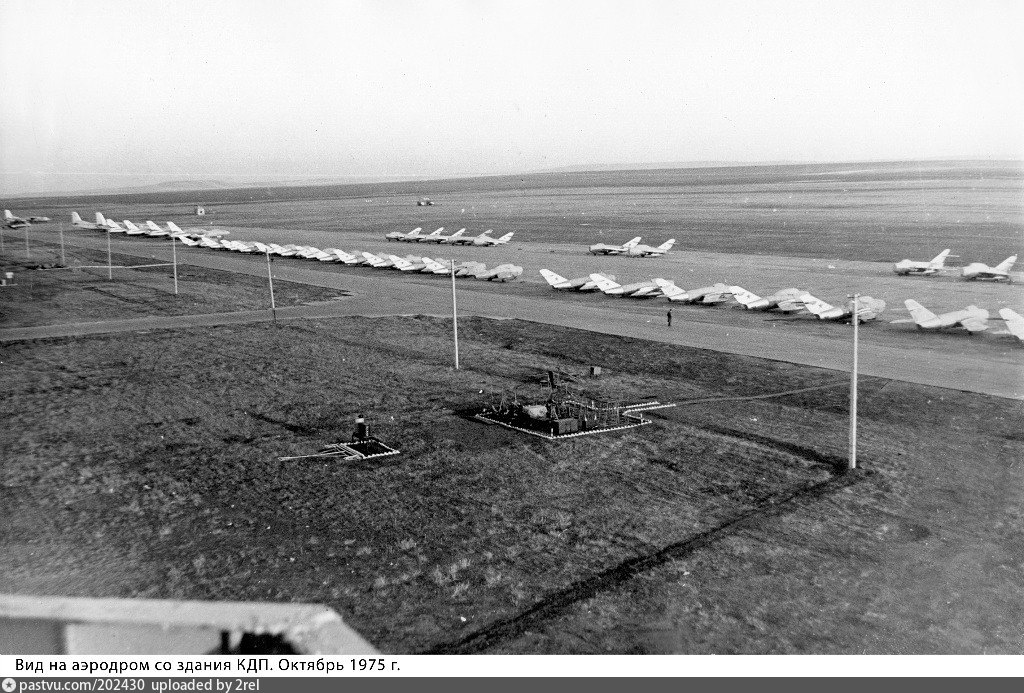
x,y
146,465
856,211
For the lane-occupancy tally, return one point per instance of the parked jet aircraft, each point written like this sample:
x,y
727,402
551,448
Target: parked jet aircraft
x,y
971,318
641,250
13,222
99,225
979,270
401,235
437,238
1014,322
501,273
786,300
560,283
470,269
868,308
918,267
433,235
113,226
706,295
648,289
605,249
501,240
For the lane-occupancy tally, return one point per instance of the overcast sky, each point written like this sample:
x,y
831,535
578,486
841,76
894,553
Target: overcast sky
x,y
247,87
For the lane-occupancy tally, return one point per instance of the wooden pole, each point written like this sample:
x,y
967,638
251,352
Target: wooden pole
x,y
26,242
852,464
270,280
62,260
455,318
110,263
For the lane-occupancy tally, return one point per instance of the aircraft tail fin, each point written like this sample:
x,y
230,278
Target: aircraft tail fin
x,y
553,278
1006,264
151,225
939,261
667,245
100,220
669,288
742,296
1014,322
130,226
174,227
7,215
459,233
76,218
603,283
918,312
632,242
814,304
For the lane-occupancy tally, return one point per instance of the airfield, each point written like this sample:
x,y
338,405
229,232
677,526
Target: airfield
x,y
728,526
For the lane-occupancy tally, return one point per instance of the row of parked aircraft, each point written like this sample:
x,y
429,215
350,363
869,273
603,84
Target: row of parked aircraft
x,y
787,300
13,222
974,270
633,248
149,228
214,240
457,238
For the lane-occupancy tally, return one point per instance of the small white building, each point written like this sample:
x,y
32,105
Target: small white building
x,y
200,211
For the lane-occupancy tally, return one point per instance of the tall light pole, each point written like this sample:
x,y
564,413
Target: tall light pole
x,y
455,318
61,229
174,261
26,241
852,463
110,263
270,280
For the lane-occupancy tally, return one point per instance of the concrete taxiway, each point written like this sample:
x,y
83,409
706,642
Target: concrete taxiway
x,y
952,361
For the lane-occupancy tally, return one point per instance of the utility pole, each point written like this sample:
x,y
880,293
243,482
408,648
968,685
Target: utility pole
x,y
174,261
852,463
455,318
270,280
110,264
26,241
61,229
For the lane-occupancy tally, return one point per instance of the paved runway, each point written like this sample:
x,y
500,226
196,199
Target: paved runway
x,y
952,361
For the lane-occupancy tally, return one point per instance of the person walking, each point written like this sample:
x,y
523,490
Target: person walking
x,y
668,316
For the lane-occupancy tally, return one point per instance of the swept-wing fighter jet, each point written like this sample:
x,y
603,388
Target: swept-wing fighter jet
x,y
971,318
606,249
786,300
13,222
1014,322
472,240
100,225
979,270
918,267
470,268
437,238
402,235
707,295
868,308
432,236
648,289
487,240
501,273
560,283
113,226
133,230
641,250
